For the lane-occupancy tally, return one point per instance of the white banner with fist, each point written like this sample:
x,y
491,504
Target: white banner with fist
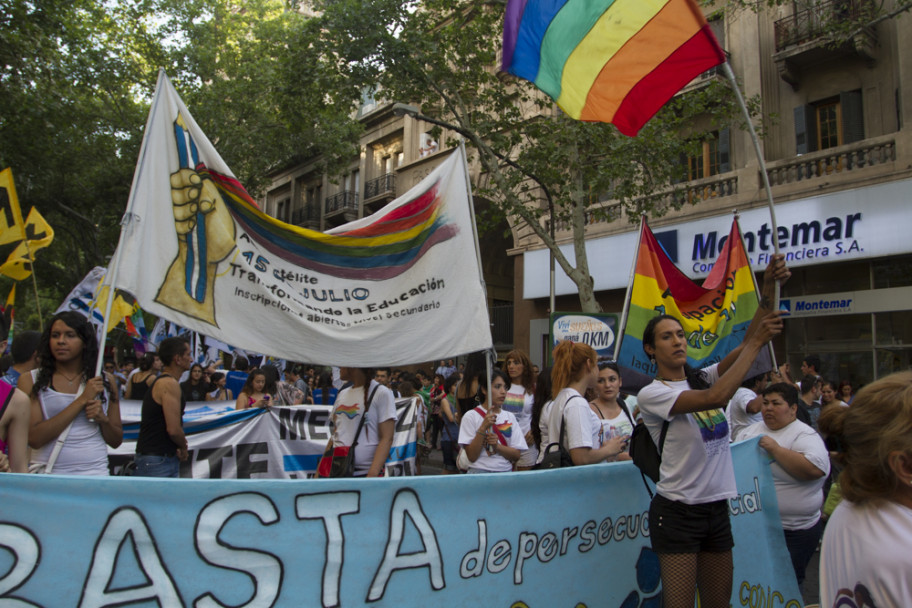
x,y
196,250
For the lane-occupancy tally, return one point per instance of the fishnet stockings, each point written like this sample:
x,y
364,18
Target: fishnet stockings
x,y
683,573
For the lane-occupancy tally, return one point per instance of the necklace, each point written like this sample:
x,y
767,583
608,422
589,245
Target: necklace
x,y
661,379
68,379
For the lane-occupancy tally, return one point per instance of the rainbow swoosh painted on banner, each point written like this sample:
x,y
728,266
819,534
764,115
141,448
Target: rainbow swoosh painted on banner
x,y
350,411
715,316
382,250
616,61
504,428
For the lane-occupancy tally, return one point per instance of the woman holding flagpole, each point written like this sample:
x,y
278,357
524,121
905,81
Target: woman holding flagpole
x,y
68,403
689,521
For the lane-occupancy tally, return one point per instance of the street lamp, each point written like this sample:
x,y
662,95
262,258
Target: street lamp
x,y
404,109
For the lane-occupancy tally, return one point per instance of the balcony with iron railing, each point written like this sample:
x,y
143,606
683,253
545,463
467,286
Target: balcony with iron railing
x,y
341,202
380,188
804,38
816,21
307,215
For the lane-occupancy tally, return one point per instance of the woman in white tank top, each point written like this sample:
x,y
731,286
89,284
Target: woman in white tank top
x,y
63,394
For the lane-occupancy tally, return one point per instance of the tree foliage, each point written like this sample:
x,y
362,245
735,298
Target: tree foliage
x,y
76,80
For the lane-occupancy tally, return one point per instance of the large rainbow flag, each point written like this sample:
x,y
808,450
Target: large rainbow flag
x,y
715,315
197,250
616,61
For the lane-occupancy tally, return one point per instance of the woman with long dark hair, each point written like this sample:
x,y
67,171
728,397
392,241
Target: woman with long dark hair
x,y
541,410
255,392
219,390
614,416
194,388
65,394
139,382
689,520
372,444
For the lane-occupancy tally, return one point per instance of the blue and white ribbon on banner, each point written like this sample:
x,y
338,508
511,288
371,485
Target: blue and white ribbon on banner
x,y
567,538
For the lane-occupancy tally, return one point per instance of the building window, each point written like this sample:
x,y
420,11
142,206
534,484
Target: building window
x,y
713,157
706,161
829,123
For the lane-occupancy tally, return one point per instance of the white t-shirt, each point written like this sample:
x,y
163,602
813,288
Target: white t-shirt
x,y
696,459
866,552
799,500
738,418
618,426
519,403
543,422
581,426
508,427
347,412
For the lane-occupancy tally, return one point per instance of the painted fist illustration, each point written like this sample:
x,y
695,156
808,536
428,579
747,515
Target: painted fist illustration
x,y
206,236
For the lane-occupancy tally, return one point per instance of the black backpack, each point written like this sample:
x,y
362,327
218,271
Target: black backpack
x,y
646,456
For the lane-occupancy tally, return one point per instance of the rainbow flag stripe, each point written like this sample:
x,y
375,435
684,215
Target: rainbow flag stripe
x,y
616,61
381,250
350,411
715,315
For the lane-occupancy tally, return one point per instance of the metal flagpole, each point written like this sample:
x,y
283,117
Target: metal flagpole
x,y
726,68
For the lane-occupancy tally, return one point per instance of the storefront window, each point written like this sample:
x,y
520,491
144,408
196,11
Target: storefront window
x,y
892,272
829,278
843,343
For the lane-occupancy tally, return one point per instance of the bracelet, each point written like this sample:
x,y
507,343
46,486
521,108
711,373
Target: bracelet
x,y
482,433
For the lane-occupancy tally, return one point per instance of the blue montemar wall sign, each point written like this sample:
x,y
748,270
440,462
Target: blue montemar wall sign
x,y
598,330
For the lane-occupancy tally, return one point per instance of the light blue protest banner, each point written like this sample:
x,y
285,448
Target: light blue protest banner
x,y
568,538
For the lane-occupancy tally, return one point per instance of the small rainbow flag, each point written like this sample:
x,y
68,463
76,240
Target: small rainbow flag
x,y
350,411
616,61
715,316
504,428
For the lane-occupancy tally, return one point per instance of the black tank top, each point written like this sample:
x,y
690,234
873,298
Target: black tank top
x,y
140,388
153,432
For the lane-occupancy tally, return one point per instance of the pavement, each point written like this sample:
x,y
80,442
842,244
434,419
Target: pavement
x,y
810,590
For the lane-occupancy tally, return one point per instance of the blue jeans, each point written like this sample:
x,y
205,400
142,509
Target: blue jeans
x,y
148,465
801,545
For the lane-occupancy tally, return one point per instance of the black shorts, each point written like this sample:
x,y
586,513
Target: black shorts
x,y
676,527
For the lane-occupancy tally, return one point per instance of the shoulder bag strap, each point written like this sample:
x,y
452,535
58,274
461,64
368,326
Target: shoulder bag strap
x,y
662,436
626,409
363,418
61,439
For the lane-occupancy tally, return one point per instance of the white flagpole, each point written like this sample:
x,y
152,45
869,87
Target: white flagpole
x,y
126,224
726,67
484,289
